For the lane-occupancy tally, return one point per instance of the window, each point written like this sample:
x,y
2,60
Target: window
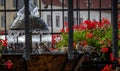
x,y
14,3
49,20
80,20
66,19
57,21
35,2
75,21
2,21
2,2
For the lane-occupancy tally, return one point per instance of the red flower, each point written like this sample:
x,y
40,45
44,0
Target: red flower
x,y
118,26
54,39
99,24
89,35
107,68
90,24
93,24
87,22
65,24
104,49
62,30
4,42
112,57
82,27
67,29
105,21
75,27
84,43
9,64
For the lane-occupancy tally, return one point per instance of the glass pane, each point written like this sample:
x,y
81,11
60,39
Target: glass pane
x,y
2,21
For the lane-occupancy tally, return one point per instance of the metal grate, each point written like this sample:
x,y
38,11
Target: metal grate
x,y
71,11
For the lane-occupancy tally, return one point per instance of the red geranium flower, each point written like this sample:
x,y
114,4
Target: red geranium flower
x,y
104,49
65,24
75,27
54,39
107,68
118,26
88,23
82,27
84,43
89,35
67,29
9,64
112,57
105,21
4,42
62,30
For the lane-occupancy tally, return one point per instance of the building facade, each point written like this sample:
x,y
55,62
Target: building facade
x,y
58,17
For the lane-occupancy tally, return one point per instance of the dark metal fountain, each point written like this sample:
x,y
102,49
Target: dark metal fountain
x,y
36,26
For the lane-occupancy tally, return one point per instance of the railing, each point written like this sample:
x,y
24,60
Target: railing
x,y
73,10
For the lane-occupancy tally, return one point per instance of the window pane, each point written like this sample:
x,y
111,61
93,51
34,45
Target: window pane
x,y
80,20
2,21
2,2
66,19
57,21
49,20
14,3
35,2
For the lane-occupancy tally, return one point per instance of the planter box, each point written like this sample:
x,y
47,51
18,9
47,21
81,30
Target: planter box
x,y
47,62
42,62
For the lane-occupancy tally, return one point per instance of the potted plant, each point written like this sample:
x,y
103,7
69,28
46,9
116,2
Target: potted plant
x,y
91,33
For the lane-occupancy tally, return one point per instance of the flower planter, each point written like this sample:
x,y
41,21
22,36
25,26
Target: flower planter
x,y
50,62
42,62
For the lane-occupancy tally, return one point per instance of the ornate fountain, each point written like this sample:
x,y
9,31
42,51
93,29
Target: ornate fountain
x,y
36,24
